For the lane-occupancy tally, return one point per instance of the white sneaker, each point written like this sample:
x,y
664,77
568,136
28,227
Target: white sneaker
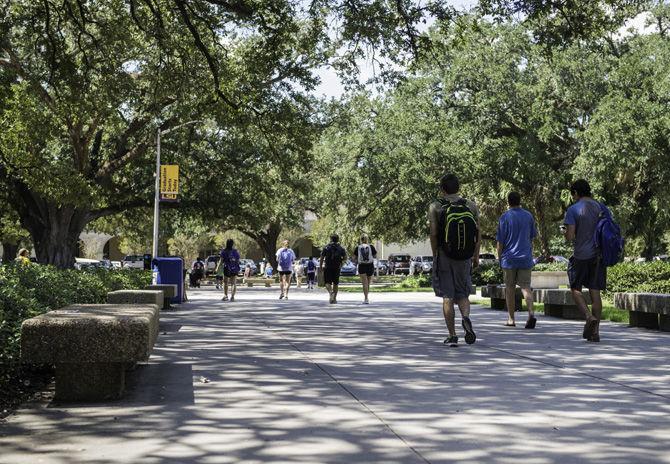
x,y
366,302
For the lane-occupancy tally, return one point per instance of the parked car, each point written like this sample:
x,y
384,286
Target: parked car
x,y
382,266
243,265
399,263
133,262
348,269
116,264
550,259
661,258
85,264
487,259
211,263
422,264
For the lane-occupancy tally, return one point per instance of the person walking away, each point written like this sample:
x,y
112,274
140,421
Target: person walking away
x,y
364,255
455,241
197,272
285,258
332,258
298,273
247,273
311,273
230,261
586,267
515,234
263,266
23,258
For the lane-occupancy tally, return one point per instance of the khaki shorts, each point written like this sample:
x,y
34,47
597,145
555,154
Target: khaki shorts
x,y
514,277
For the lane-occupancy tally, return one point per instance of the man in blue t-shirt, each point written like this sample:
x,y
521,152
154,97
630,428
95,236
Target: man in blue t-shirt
x,y
585,269
516,231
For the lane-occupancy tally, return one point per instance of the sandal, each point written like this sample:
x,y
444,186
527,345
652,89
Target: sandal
x,y
507,324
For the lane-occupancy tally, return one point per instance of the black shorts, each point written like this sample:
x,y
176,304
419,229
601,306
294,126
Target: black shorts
x,y
331,275
366,268
285,272
227,273
311,276
590,273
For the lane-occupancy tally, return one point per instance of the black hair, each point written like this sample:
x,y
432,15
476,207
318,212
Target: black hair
x,y
334,238
229,244
581,188
450,184
311,257
514,199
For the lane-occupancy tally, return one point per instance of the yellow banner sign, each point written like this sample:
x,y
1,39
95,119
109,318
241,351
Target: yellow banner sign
x,y
169,180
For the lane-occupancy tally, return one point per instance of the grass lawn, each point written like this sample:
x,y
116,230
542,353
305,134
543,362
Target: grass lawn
x,y
610,313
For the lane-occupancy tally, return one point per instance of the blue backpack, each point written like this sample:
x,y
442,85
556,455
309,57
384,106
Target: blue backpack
x,y
286,259
607,238
311,266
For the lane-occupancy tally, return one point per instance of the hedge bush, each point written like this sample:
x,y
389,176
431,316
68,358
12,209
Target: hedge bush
x,y
486,274
652,277
28,291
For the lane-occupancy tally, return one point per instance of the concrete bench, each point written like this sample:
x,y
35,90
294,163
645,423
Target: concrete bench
x,y
267,282
169,292
548,279
136,297
649,310
559,303
497,295
91,346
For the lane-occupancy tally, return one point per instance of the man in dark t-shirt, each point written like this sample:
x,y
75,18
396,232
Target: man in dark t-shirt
x,y
332,258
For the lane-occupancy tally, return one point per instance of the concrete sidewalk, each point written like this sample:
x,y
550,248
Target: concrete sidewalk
x,y
262,380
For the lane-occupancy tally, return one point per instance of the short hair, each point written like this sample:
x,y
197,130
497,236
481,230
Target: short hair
x,y
334,238
581,187
311,257
450,184
365,238
229,244
514,199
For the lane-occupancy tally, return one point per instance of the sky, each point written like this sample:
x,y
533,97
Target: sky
x,y
332,87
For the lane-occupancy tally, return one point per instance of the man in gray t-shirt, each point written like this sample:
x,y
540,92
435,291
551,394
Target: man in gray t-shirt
x,y
586,269
451,277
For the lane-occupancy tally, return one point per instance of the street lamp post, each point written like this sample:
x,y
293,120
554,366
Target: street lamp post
x,y
157,195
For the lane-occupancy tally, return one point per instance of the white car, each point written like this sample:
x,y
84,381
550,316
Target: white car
x,y
422,264
133,262
85,263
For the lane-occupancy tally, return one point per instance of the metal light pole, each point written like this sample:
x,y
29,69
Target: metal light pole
x,y
157,194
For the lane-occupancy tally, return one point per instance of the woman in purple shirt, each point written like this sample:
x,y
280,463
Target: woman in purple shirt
x,y
229,265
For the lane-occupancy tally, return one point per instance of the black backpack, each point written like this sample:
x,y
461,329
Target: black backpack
x,y
460,230
333,255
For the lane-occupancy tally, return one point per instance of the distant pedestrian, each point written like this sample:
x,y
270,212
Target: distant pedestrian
x,y
586,268
285,258
455,241
197,272
229,264
23,258
247,272
364,256
268,270
311,273
298,272
516,231
332,258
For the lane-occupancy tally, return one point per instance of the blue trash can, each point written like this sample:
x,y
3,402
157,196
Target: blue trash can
x,y
170,271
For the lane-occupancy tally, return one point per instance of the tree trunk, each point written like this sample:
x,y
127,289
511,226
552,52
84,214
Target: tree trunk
x,y
9,251
543,233
267,241
55,229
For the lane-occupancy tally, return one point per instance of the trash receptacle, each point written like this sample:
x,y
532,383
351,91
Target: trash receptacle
x,y
170,271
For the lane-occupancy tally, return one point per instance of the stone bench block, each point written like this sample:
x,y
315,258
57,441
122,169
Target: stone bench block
x,y
169,292
91,346
559,303
497,295
136,297
267,282
648,310
548,279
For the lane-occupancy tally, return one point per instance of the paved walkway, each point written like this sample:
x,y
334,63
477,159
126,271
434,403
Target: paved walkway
x,y
262,380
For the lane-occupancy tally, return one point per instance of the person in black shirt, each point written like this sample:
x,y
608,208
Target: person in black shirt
x,y
364,255
333,256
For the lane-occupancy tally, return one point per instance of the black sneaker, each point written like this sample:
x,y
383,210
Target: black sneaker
x,y
451,341
470,335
